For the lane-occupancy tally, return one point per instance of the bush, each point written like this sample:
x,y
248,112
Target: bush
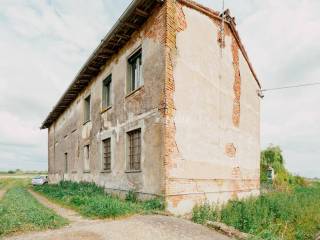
x,y
154,204
203,213
132,196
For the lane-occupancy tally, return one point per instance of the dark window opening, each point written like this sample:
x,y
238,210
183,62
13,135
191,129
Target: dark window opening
x,y
87,109
106,92
107,154
65,162
135,71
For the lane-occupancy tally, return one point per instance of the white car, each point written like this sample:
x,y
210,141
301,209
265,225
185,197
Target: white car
x,y
39,180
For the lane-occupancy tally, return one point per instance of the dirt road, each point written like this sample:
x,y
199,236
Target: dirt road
x,y
136,227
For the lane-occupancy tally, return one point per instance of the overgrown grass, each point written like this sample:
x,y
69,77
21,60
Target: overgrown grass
x,y
277,215
91,201
8,182
19,211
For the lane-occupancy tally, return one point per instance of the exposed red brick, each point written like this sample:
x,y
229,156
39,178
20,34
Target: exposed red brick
x,y
182,23
236,84
167,103
175,200
205,10
236,172
230,29
230,150
155,27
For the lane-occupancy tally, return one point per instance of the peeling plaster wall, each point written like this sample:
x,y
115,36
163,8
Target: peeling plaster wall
x,y
216,117
138,110
198,112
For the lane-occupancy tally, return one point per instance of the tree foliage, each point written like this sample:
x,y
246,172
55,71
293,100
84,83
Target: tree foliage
x,y
272,157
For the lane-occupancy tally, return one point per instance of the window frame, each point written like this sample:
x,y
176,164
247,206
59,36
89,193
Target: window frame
x,y
107,85
130,165
137,54
87,109
103,163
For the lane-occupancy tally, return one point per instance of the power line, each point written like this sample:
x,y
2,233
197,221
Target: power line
x,y
292,86
261,95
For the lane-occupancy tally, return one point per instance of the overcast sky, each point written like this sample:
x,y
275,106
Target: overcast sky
x,y
43,43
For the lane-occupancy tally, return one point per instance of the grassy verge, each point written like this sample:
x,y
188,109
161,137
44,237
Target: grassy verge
x,y
19,211
13,182
278,215
91,201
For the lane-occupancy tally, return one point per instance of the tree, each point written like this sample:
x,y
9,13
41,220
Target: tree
x,y
272,157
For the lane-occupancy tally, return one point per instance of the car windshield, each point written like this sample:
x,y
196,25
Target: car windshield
x,y
38,177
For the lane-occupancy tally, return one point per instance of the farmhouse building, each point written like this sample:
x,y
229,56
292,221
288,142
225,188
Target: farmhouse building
x,y
166,105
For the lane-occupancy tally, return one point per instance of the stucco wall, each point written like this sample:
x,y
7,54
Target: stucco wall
x,y
138,110
198,111
216,117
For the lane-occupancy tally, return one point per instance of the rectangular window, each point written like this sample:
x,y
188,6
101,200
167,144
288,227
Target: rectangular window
x,y
86,157
65,162
106,92
107,154
134,143
135,79
87,109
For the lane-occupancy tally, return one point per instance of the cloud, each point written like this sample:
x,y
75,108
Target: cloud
x,y
44,43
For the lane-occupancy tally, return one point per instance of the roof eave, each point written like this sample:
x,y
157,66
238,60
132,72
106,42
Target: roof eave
x,y
123,20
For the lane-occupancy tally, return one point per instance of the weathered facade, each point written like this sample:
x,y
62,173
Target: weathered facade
x,y
178,116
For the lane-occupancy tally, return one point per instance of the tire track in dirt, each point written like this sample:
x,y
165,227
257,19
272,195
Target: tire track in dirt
x,y
67,213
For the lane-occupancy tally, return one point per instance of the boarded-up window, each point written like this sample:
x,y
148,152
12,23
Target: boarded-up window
x,y
87,109
134,142
107,154
86,158
135,71
106,92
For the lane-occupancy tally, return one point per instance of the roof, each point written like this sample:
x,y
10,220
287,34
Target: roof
x,y
132,19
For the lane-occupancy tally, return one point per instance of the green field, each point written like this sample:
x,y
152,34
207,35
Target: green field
x,y
19,211
91,200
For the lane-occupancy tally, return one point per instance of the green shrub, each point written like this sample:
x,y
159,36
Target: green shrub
x,y
132,196
202,213
154,204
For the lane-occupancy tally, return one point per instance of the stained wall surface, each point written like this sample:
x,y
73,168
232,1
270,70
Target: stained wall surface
x,y
140,109
198,112
216,118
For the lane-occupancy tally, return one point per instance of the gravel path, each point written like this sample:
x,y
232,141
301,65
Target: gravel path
x,y
138,227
